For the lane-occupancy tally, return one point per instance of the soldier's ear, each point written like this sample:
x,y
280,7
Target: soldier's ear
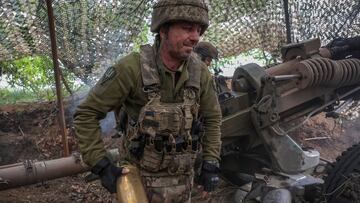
x,y
164,30
162,33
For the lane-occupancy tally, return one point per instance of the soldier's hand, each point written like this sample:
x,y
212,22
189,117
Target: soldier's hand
x,y
209,177
108,173
353,43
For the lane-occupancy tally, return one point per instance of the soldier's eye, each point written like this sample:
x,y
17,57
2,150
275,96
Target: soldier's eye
x,y
187,28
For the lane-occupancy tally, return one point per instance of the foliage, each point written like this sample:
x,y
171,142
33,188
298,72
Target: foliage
x,y
33,75
12,96
141,38
217,65
260,55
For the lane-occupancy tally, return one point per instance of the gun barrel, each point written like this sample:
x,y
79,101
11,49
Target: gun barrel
x,y
30,172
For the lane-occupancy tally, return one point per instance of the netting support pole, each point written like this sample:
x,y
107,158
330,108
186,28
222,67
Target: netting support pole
x,y
57,77
287,21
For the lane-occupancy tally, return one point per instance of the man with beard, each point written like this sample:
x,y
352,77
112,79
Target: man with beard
x,y
162,89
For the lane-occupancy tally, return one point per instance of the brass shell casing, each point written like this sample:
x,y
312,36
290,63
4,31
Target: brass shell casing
x,y
129,187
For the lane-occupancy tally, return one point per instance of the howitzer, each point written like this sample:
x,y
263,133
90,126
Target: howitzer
x,y
255,146
256,149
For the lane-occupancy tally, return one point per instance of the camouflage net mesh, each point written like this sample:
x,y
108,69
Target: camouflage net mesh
x,y
92,32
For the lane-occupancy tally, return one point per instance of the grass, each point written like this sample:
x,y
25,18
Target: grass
x,y
12,96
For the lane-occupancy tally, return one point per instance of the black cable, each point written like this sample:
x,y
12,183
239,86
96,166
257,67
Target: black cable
x,y
287,21
352,13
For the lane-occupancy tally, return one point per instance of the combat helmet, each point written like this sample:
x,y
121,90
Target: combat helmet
x,y
206,49
165,11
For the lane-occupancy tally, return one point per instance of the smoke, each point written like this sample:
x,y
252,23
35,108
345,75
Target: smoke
x,y
107,124
351,131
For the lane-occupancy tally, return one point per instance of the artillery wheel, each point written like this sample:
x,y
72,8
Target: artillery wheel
x,y
342,183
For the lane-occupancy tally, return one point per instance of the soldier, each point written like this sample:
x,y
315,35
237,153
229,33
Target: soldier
x,y
163,89
207,52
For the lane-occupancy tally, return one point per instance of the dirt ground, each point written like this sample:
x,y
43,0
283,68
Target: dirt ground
x,y
30,131
329,136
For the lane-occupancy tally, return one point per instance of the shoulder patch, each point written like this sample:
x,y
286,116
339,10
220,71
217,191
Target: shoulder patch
x,y
105,81
108,75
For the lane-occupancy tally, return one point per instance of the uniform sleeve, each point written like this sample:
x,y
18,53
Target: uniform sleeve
x,y
211,113
109,93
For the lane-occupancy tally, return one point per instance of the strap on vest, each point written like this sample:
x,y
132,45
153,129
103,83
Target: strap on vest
x,y
150,74
194,70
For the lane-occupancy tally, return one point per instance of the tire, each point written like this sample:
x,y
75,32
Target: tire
x,y
342,184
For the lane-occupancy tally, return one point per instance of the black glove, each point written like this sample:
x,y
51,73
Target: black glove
x,y
341,48
209,175
353,43
337,42
108,173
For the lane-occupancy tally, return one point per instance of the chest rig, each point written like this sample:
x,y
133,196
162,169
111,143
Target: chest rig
x,y
166,127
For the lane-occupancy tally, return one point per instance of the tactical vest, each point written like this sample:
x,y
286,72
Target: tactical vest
x,y
166,127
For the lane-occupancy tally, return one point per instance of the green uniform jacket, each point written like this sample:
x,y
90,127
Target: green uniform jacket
x,y
122,85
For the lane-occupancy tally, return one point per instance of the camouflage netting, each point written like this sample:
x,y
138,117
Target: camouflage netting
x,y
92,32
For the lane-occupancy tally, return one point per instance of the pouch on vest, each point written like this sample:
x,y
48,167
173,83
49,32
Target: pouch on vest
x,y
163,123
161,119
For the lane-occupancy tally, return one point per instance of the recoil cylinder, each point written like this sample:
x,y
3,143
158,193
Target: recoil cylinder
x,y
328,73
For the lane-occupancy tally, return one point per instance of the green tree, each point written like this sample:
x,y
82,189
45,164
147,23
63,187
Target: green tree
x,y
35,74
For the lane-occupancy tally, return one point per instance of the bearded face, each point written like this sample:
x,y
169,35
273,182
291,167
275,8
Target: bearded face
x,y
180,38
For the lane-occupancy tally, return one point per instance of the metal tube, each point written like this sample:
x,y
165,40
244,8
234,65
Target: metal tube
x,y
30,172
286,77
57,77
